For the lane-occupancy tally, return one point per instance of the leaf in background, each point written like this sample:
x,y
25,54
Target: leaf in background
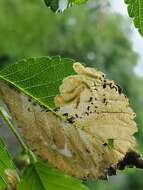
x,y
53,4
39,78
135,10
78,1
93,185
60,5
6,164
40,176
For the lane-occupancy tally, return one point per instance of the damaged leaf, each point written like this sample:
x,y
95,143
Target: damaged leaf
x,y
96,113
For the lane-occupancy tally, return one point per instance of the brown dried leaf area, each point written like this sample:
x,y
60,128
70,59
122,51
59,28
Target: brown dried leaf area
x,y
99,130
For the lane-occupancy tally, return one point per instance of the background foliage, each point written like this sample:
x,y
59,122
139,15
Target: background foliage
x,y
135,10
88,33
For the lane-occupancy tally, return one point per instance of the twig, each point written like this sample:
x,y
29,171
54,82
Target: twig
x,y
14,131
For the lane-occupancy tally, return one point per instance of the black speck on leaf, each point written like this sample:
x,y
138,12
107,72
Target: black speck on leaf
x,y
28,109
71,120
88,151
29,100
65,114
90,99
86,113
88,107
119,89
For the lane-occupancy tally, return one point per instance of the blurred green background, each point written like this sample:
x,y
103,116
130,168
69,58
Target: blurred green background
x,y
89,33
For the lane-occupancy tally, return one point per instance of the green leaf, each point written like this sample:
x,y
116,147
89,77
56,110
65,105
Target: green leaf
x,y
135,10
6,163
39,78
56,5
40,176
110,143
53,4
78,1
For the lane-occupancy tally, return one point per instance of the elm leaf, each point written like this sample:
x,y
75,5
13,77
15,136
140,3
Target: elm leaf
x,y
40,176
38,77
6,163
135,10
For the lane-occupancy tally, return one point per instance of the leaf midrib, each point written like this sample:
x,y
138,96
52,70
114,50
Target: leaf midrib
x,y
28,94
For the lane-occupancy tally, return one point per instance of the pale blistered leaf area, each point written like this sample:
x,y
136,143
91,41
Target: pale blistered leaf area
x,y
100,109
38,77
40,176
99,126
135,10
